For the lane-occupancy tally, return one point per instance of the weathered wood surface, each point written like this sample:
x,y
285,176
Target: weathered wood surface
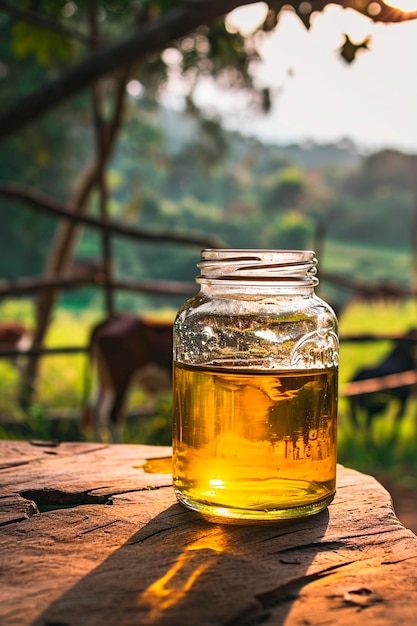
x,y
127,554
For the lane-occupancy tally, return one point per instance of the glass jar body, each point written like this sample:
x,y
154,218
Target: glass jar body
x,y
255,395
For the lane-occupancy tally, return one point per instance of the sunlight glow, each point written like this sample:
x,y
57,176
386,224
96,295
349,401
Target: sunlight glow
x,y
179,579
404,5
69,9
215,482
134,88
163,594
342,99
316,96
246,19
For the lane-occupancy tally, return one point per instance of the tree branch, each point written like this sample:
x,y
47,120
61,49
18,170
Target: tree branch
x,y
46,204
156,36
379,290
385,13
51,283
25,15
151,38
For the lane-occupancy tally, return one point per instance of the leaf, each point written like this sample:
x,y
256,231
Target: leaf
x,y
349,49
47,46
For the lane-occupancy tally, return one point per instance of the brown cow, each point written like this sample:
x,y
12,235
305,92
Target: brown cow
x,y
126,350
10,334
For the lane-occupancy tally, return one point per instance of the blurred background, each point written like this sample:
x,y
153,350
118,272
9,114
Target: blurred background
x,y
133,133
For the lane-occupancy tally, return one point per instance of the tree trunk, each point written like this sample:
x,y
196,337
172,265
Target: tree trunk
x,y
64,243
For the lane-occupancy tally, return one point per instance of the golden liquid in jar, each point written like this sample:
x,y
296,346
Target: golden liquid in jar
x,y
254,444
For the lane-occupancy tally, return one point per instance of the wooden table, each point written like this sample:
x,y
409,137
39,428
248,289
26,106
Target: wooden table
x,y
91,534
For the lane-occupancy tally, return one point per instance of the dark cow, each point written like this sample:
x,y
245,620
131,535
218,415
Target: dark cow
x,y
126,350
401,359
11,334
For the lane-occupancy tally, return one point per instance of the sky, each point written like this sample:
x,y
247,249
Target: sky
x,y
317,95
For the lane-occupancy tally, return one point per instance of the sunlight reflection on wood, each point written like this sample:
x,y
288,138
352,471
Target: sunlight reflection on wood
x,y
173,586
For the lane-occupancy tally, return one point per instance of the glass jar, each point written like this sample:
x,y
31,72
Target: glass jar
x,y
255,388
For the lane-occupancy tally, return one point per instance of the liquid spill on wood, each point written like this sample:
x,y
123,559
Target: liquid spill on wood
x,y
163,465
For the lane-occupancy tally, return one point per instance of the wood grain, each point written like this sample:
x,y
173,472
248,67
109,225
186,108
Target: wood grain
x,y
88,537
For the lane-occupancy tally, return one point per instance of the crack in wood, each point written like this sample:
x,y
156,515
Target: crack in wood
x,y
101,526
290,531
49,499
343,542
78,452
323,545
394,561
6,466
58,498
125,491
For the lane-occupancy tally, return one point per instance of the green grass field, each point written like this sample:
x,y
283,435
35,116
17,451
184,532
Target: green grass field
x,y
389,448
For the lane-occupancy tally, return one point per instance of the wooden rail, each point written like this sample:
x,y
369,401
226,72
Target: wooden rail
x,y
50,283
370,385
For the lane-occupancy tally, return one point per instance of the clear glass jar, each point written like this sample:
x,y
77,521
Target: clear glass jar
x,y
255,388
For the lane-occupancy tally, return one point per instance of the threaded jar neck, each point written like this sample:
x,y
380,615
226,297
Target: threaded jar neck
x,y
285,268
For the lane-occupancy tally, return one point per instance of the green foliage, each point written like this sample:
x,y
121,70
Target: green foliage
x,y
227,49
18,310
385,171
291,230
44,44
389,449
154,428
22,229
162,181
380,220
369,264
288,191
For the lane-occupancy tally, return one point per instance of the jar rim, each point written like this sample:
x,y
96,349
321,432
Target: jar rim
x,y
253,264
291,252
